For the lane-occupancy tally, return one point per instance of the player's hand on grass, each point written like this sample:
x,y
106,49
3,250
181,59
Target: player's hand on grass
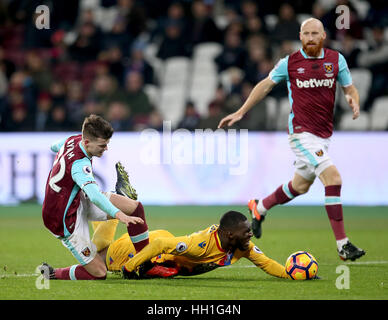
x,y
127,220
230,120
354,106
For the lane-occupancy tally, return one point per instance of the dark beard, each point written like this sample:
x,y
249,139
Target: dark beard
x,y
313,51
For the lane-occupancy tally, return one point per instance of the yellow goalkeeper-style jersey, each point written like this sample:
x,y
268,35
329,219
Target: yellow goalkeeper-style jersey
x,y
197,253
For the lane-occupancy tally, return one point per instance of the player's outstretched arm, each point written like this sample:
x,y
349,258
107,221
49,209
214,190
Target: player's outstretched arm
x,y
268,265
353,99
257,94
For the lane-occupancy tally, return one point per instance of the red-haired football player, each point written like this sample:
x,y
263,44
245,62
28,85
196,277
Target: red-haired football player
x,y
311,74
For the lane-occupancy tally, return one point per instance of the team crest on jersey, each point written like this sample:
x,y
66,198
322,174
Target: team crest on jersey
x,y
328,67
319,153
86,252
212,228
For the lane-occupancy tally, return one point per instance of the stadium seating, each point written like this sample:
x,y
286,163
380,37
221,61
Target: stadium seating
x,y
271,20
362,79
379,114
204,77
16,56
153,93
67,71
272,112
173,88
176,72
225,77
361,123
207,50
283,114
156,63
171,106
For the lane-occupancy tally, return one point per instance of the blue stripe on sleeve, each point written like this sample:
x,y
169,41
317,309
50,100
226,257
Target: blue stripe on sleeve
x,y
57,145
81,172
95,196
280,71
344,77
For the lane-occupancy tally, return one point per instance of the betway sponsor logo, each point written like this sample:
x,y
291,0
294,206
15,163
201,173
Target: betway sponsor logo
x,y
315,83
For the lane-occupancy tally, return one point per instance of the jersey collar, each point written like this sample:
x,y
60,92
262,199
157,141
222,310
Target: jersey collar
x,y
218,241
83,150
308,57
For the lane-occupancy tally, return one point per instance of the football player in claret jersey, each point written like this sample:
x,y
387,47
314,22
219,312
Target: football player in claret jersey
x,y
72,198
311,74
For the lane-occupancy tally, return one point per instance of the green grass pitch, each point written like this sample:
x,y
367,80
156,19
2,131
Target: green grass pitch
x,y
25,243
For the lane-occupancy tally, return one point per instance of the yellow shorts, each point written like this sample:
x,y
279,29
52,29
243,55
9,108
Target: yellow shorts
x,y
122,249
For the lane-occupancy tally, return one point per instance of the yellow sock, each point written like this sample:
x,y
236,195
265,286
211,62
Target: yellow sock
x,y
104,232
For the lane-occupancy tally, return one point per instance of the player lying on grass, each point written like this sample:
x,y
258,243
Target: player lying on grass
x,y
167,255
216,246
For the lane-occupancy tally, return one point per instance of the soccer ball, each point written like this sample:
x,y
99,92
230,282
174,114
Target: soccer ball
x,y
301,265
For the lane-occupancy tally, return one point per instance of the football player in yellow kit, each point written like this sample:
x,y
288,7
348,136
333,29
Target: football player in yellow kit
x,y
216,246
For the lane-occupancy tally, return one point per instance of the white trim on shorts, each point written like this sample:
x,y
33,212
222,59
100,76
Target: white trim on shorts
x,y
311,153
79,242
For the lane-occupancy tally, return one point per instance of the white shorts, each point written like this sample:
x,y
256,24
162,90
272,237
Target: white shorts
x,y
311,153
79,243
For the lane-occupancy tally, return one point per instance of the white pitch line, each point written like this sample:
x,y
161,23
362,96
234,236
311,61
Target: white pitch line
x,y
367,262
21,275
18,275
324,264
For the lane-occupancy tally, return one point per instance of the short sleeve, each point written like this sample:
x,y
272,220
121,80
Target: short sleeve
x,y
344,77
81,172
57,145
280,71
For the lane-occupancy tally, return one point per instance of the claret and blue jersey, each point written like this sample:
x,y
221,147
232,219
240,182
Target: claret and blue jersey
x,y
311,84
71,173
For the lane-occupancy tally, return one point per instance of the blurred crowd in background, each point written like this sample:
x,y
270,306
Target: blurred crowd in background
x,y
106,57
